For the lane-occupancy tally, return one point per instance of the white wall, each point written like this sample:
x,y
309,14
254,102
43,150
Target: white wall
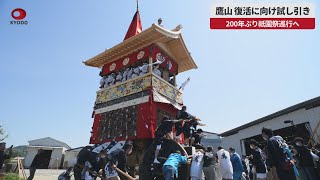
x,y
210,139
70,158
300,116
210,136
56,156
31,153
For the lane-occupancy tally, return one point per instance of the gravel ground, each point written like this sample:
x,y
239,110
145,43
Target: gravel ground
x,y
49,174
46,174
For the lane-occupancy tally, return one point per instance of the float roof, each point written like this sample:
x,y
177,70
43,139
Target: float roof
x,y
170,41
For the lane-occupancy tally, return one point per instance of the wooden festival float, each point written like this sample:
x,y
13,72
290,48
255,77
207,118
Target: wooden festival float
x,y
131,108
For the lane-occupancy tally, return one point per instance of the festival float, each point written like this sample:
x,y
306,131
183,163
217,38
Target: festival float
x,y
138,86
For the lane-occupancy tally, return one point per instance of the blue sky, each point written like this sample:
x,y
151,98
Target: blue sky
x,y
46,90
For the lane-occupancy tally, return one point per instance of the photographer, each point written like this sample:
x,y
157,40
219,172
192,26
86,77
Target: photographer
x,y
316,151
304,156
258,160
4,156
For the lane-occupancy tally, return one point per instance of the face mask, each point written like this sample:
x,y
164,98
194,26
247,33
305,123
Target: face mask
x,y
251,147
231,154
298,144
102,156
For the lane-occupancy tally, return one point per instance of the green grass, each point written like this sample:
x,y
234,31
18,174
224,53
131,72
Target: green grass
x,y
11,176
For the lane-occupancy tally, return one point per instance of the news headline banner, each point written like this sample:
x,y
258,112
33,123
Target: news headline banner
x,y
263,16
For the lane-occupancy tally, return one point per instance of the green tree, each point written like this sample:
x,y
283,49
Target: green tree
x,y
3,134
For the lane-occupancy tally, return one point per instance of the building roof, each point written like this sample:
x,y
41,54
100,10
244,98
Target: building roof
x,y
75,149
315,102
169,40
48,142
207,132
46,147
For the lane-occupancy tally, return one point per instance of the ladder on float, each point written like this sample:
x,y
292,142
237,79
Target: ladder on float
x,y
19,169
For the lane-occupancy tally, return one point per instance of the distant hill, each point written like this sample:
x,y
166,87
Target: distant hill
x,y
19,151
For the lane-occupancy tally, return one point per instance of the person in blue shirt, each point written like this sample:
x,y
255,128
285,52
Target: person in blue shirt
x,y
170,167
236,164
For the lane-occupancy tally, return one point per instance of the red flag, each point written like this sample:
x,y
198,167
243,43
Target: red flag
x,y
135,26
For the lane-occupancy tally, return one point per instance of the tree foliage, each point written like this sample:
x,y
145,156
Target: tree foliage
x,y
3,134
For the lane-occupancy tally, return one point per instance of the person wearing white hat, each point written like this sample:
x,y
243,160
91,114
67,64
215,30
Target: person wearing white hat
x,y
102,81
144,69
129,75
106,82
156,70
111,79
119,77
125,74
136,72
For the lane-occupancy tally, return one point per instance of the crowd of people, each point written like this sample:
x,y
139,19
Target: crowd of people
x,y
128,73
278,161
185,125
134,72
89,163
275,161
121,76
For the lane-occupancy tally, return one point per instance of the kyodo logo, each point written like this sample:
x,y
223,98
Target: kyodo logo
x,y
19,14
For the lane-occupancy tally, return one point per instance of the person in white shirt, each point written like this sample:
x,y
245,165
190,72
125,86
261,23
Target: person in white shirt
x,y
134,75
111,79
144,69
119,77
196,172
136,72
156,70
102,81
106,82
225,164
125,74
129,76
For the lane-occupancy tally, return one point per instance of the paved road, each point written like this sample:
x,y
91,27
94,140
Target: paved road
x,y
50,174
46,174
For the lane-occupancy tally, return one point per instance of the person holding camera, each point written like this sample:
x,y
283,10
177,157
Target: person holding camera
x,y
258,160
305,159
4,156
